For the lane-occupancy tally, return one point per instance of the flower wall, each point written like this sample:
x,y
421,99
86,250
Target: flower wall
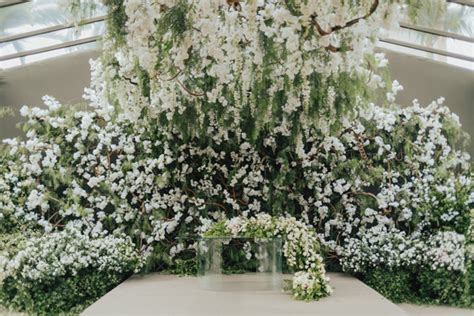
x,y
203,111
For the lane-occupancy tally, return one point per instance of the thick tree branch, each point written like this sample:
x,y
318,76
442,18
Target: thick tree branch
x,y
335,28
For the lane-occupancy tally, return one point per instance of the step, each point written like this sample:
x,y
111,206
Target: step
x,y
158,294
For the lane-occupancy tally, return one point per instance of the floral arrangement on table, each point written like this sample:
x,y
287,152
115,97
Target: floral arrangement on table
x,y
204,111
300,248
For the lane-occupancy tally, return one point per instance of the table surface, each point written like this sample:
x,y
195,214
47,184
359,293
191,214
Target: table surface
x,y
158,294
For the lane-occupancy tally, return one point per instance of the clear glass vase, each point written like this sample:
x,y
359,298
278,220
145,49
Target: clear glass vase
x,y
240,264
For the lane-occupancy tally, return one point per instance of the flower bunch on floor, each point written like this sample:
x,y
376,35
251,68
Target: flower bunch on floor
x,y
300,248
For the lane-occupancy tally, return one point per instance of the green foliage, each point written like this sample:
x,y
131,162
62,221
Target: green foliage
x,y
414,6
11,242
217,230
6,111
185,267
68,294
116,20
174,20
63,272
423,285
9,224
446,287
284,172
159,260
396,285
234,257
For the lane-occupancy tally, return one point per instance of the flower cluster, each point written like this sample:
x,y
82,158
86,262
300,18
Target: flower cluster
x,y
62,271
446,250
308,287
216,67
377,175
67,253
301,249
380,247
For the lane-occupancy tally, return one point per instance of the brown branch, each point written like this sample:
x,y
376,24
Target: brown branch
x,y
51,217
361,149
172,78
363,154
216,204
334,49
365,194
195,94
234,3
175,77
130,80
336,28
206,202
109,156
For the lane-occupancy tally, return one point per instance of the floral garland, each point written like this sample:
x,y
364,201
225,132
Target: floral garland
x,y
301,249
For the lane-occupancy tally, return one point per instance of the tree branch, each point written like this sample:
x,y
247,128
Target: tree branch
x,y
130,80
234,3
336,28
334,49
195,94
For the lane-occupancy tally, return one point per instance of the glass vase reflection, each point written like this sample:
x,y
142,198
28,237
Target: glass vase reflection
x,y
236,264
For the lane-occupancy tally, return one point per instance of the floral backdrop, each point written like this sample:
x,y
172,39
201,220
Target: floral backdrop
x,y
204,111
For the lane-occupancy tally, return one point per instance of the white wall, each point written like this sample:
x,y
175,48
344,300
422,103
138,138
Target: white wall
x,y
426,80
65,78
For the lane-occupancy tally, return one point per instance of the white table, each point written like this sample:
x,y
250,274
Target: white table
x,y
168,295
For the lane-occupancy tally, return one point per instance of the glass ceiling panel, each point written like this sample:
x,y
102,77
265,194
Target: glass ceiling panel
x,y
37,14
438,29
441,43
52,38
41,29
443,16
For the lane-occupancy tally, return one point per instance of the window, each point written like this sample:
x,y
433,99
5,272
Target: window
x,y
440,30
35,30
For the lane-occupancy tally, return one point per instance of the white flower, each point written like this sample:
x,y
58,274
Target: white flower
x,y
94,181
